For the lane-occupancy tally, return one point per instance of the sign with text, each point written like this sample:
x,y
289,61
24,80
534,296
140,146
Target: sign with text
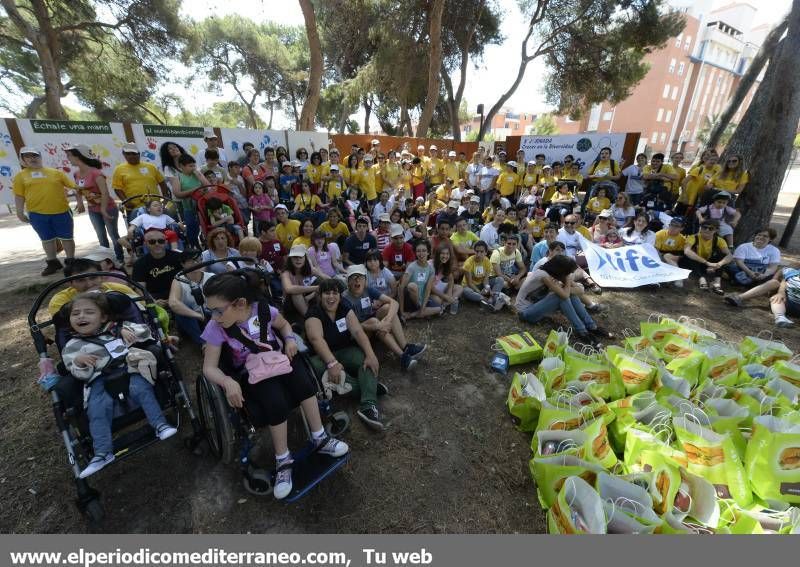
x,y
585,148
234,138
150,138
629,266
9,165
53,137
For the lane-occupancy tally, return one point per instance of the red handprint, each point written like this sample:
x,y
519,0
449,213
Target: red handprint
x,y
51,149
152,143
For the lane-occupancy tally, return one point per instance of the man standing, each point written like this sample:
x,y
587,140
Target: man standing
x,y
135,177
42,190
212,142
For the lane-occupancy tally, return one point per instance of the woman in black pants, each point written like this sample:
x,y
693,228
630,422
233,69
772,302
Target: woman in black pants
x,y
237,320
706,254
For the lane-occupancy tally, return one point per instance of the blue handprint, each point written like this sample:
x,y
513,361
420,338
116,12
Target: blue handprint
x,y
235,146
5,171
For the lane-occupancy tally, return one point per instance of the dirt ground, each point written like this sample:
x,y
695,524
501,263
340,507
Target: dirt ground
x,y
450,462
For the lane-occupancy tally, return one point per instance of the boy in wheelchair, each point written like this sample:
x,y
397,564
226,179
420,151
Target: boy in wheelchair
x,y
104,353
265,383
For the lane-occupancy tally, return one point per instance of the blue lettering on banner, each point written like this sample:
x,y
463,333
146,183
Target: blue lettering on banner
x,y
618,262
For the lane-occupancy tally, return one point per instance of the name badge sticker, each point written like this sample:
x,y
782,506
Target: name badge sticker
x,y
37,175
366,303
421,277
276,247
341,324
253,326
365,246
116,348
143,170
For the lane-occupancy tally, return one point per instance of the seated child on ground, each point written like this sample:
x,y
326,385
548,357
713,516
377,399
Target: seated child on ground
x,y
101,352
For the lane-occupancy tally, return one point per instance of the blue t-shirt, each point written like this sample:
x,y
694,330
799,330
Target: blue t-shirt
x,y
420,275
362,306
539,251
356,249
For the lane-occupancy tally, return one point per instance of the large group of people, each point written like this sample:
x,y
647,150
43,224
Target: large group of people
x,y
352,247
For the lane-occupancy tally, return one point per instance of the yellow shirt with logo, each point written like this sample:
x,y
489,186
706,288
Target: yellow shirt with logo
x,y
507,183
367,183
66,295
304,203
443,192
436,170
529,179
605,169
452,171
286,233
698,176
391,175
704,247
333,233
597,204
133,180
334,188
536,227
729,184
43,189
480,270
675,186
667,243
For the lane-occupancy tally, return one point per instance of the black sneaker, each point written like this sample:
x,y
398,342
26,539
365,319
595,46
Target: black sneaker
x,y
382,389
406,362
601,333
51,268
370,416
415,351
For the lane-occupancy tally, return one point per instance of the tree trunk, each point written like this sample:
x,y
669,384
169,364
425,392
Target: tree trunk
x,y
452,107
434,65
271,104
765,134
746,82
367,113
309,112
294,110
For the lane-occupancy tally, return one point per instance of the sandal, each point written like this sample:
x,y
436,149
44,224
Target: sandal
x,y
703,284
717,288
733,300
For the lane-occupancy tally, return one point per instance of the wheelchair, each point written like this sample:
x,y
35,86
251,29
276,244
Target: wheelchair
x,y
230,433
171,208
130,430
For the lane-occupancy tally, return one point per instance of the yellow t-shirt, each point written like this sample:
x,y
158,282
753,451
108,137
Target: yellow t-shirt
x,y
536,227
436,169
583,231
675,186
65,295
307,203
573,177
467,240
551,187
529,180
667,243
302,240
605,168
443,193
418,173
729,184
452,171
367,183
133,180
391,174
507,183
404,179
43,190
334,189
563,197
597,204
332,233
480,270
699,176
704,246
314,173
351,176
286,233
666,169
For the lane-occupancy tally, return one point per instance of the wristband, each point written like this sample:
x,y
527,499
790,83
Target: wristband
x,y
331,364
290,337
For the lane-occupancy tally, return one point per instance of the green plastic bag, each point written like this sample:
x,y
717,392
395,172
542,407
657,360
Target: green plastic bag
x,y
551,374
693,329
636,372
713,456
525,399
657,331
764,351
721,363
666,380
688,368
651,417
549,474
729,417
577,509
594,368
556,342
666,481
555,415
788,370
772,459
641,442
520,348
676,346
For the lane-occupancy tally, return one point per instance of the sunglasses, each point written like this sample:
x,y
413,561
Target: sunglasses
x,y
707,228
156,241
570,223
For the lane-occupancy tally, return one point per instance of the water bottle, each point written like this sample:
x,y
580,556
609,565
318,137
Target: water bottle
x,y
500,363
48,377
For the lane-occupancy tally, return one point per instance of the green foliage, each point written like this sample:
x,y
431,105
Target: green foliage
x,y
472,136
796,143
704,132
545,125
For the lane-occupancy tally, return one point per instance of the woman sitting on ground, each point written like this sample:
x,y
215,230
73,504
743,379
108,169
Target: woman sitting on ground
x,y
416,285
757,261
785,285
444,287
219,248
636,231
622,210
342,347
299,284
233,300
549,289
706,254
378,276
326,260
602,223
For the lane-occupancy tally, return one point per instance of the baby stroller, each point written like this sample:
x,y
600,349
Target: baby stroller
x,y
171,208
228,429
131,432
657,199
201,197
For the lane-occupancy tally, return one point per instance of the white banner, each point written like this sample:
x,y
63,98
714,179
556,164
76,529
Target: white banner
x,y
9,165
311,141
629,266
234,138
585,148
150,137
51,137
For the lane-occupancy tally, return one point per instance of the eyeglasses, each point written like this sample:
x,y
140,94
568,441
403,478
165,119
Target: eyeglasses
x,y
707,228
569,223
156,241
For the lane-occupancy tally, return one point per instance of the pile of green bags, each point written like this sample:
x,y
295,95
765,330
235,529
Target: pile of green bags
x,y
676,432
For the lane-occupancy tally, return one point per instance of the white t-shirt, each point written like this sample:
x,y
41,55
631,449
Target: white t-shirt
x,y
533,282
635,184
147,221
633,236
473,170
750,254
490,236
487,175
621,215
572,241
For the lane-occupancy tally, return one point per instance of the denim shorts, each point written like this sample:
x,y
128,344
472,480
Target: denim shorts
x,y
50,227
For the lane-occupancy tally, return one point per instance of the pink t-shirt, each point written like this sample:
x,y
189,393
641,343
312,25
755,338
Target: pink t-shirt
x,y
88,188
215,335
262,201
325,259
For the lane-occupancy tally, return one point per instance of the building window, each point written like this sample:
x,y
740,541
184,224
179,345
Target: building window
x,y
674,93
654,138
679,39
665,94
663,137
659,115
681,67
672,64
607,116
687,42
507,126
690,117
668,118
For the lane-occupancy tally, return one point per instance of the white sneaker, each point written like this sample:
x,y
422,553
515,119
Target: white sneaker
x,y
783,321
678,283
97,463
454,307
332,447
283,479
165,431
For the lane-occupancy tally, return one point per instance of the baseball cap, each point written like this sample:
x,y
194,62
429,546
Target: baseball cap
x,y
130,148
512,163
334,167
532,162
547,166
100,253
420,147
451,153
475,199
208,133
287,163
384,218
606,213
677,221
29,150
297,251
396,230
82,149
295,163
433,147
453,204
355,270
375,141
281,206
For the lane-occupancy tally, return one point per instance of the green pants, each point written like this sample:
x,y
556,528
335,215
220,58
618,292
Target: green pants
x,y
352,358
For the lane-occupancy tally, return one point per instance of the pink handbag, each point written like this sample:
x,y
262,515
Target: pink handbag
x,y
266,364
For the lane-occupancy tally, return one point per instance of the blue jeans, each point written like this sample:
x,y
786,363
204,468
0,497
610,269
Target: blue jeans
x,y
100,410
106,229
572,308
191,327
192,228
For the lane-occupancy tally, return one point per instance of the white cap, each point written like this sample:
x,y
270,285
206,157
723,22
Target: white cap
x,y
334,167
451,153
453,204
355,270
547,166
281,206
606,213
30,150
475,199
385,218
396,230
420,147
100,253
532,162
130,148
375,142
82,149
295,163
433,147
512,163
368,157
297,251
208,133
469,192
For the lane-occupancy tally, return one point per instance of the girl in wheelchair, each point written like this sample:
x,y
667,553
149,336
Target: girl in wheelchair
x,y
266,388
102,352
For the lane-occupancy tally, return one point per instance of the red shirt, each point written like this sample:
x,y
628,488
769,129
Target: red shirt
x,y
273,252
397,259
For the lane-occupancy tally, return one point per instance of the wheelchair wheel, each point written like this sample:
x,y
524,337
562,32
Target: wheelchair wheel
x,y
337,424
218,428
